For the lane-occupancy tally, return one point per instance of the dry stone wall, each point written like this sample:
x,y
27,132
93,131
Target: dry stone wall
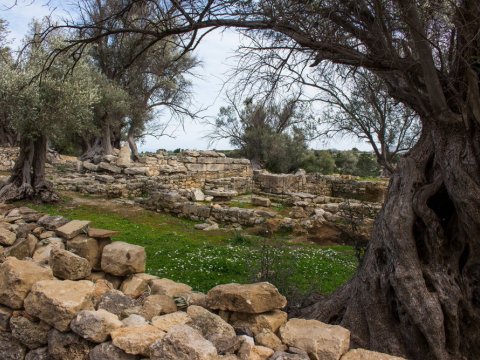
x,y
67,291
284,186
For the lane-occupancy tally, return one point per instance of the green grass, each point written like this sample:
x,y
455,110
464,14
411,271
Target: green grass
x,y
177,251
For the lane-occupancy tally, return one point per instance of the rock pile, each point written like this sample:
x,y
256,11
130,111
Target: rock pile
x,y
68,292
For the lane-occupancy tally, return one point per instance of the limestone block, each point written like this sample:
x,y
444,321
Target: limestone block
x,y
120,258
361,354
87,247
268,339
168,287
168,321
214,328
249,298
7,237
108,351
89,166
68,266
261,201
124,156
116,302
183,343
44,248
57,302
73,228
136,340
155,305
10,348
38,354
321,341
63,346
33,334
22,248
17,278
109,167
256,323
52,222
95,326
134,286
253,352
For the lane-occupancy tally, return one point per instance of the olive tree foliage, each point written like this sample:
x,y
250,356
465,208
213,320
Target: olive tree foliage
x,y
273,135
416,292
155,81
39,109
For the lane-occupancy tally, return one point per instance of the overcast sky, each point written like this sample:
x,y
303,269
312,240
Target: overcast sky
x,y
215,51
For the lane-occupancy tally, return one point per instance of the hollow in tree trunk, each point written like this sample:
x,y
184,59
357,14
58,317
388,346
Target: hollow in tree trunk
x,y
28,175
417,291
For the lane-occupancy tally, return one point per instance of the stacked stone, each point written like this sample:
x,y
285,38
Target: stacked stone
x,y
68,292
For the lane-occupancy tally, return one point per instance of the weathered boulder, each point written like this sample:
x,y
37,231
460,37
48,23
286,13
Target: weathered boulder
x,y
108,351
109,167
63,346
116,302
261,201
214,329
33,334
73,228
7,237
134,286
10,348
183,343
249,298
124,156
256,323
267,338
22,248
68,266
44,248
38,354
87,247
95,326
155,305
17,278
321,341
168,321
57,302
136,340
362,354
168,287
197,195
248,351
52,222
120,258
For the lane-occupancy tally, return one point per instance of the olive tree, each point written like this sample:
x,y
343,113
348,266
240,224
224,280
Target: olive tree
x,y
416,292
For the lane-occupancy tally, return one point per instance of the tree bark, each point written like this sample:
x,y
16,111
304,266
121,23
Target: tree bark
x,y
417,292
28,175
132,144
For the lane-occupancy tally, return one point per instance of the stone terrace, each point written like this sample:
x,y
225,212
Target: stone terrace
x,y
67,291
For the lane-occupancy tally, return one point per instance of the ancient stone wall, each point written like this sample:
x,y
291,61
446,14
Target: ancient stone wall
x,y
284,186
67,291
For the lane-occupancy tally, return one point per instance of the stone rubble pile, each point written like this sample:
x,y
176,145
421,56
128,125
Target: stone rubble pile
x,y
68,292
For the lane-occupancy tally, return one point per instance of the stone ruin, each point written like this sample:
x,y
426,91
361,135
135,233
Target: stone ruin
x,y
68,292
200,184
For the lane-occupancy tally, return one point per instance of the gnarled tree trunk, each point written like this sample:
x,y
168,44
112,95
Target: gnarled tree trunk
x,y
28,175
417,292
132,144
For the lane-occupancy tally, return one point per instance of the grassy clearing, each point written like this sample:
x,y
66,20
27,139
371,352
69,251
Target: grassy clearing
x,y
204,259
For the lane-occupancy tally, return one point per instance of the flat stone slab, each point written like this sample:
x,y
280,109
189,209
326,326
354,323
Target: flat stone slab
x,y
102,233
73,228
249,298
